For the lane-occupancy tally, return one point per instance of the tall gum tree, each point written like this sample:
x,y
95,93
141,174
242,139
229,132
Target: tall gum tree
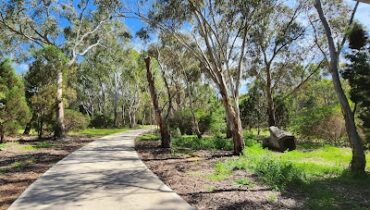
x,y
358,161
219,38
275,40
165,134
73,28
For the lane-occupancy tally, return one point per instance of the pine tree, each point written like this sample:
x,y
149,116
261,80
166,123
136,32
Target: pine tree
x,y
13,107
357,73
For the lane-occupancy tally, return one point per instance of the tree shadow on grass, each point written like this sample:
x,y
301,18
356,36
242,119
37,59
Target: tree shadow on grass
x,y
341,192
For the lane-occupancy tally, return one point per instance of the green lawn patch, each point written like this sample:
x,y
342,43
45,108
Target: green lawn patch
x,y
98,131
320,174
149,137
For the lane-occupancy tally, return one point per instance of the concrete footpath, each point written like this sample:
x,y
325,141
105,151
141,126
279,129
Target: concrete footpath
x,y
104,174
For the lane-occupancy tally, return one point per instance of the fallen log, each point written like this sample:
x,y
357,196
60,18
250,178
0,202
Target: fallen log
x,y
279,140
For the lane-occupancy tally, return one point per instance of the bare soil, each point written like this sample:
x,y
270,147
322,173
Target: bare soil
x,y
189,173
22,161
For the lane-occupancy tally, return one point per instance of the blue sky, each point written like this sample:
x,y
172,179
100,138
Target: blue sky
x,y
133,25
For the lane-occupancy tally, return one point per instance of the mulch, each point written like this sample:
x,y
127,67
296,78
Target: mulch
x,y
188,174
20,167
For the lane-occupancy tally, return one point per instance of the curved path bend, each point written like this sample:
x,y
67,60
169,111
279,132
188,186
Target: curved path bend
x,y
104,174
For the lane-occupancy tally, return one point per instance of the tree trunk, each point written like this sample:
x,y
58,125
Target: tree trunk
x,y
27,129
103,99
115,101
41,127
234,122
229,132
195,122
133,118
60,127
2,135
123,115
165,135
270,100
358,161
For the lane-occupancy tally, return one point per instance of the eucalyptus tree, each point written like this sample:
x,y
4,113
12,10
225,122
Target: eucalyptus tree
x,y
73,28
163,127
276,39
132,85
183,79
332,24
219,31
111,75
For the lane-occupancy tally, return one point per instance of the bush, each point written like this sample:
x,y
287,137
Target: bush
x,y
278,173
249,139
322,123
195,143
182,120
75,121
101,121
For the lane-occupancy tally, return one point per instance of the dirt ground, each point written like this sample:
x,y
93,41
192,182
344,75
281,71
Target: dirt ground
x,y
190,175
23,161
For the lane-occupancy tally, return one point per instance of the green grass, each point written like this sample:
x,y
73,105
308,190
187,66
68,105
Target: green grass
x,y
149,137
205,143
193,142
2,146
17,165
98,131
43,145
27,147
242,181
316,173
221,172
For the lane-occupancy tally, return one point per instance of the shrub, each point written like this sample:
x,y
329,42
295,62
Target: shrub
x,y
75,120
195,143
249,139
221,172
101,121
323,123
277,173
182,120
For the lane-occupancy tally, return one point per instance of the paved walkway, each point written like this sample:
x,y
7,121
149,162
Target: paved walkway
x,y
105,174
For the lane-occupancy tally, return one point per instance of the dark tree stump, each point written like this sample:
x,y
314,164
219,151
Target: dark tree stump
x,y
279,140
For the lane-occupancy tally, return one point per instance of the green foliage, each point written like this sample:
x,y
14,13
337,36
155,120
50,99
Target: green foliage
x,y
357,73
357,36
44,144
325,123
182,120
149,137
75,121
242,181
276,173
101,121
41,89
299,167
221,172
205,143
253,106
249,138
14,111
